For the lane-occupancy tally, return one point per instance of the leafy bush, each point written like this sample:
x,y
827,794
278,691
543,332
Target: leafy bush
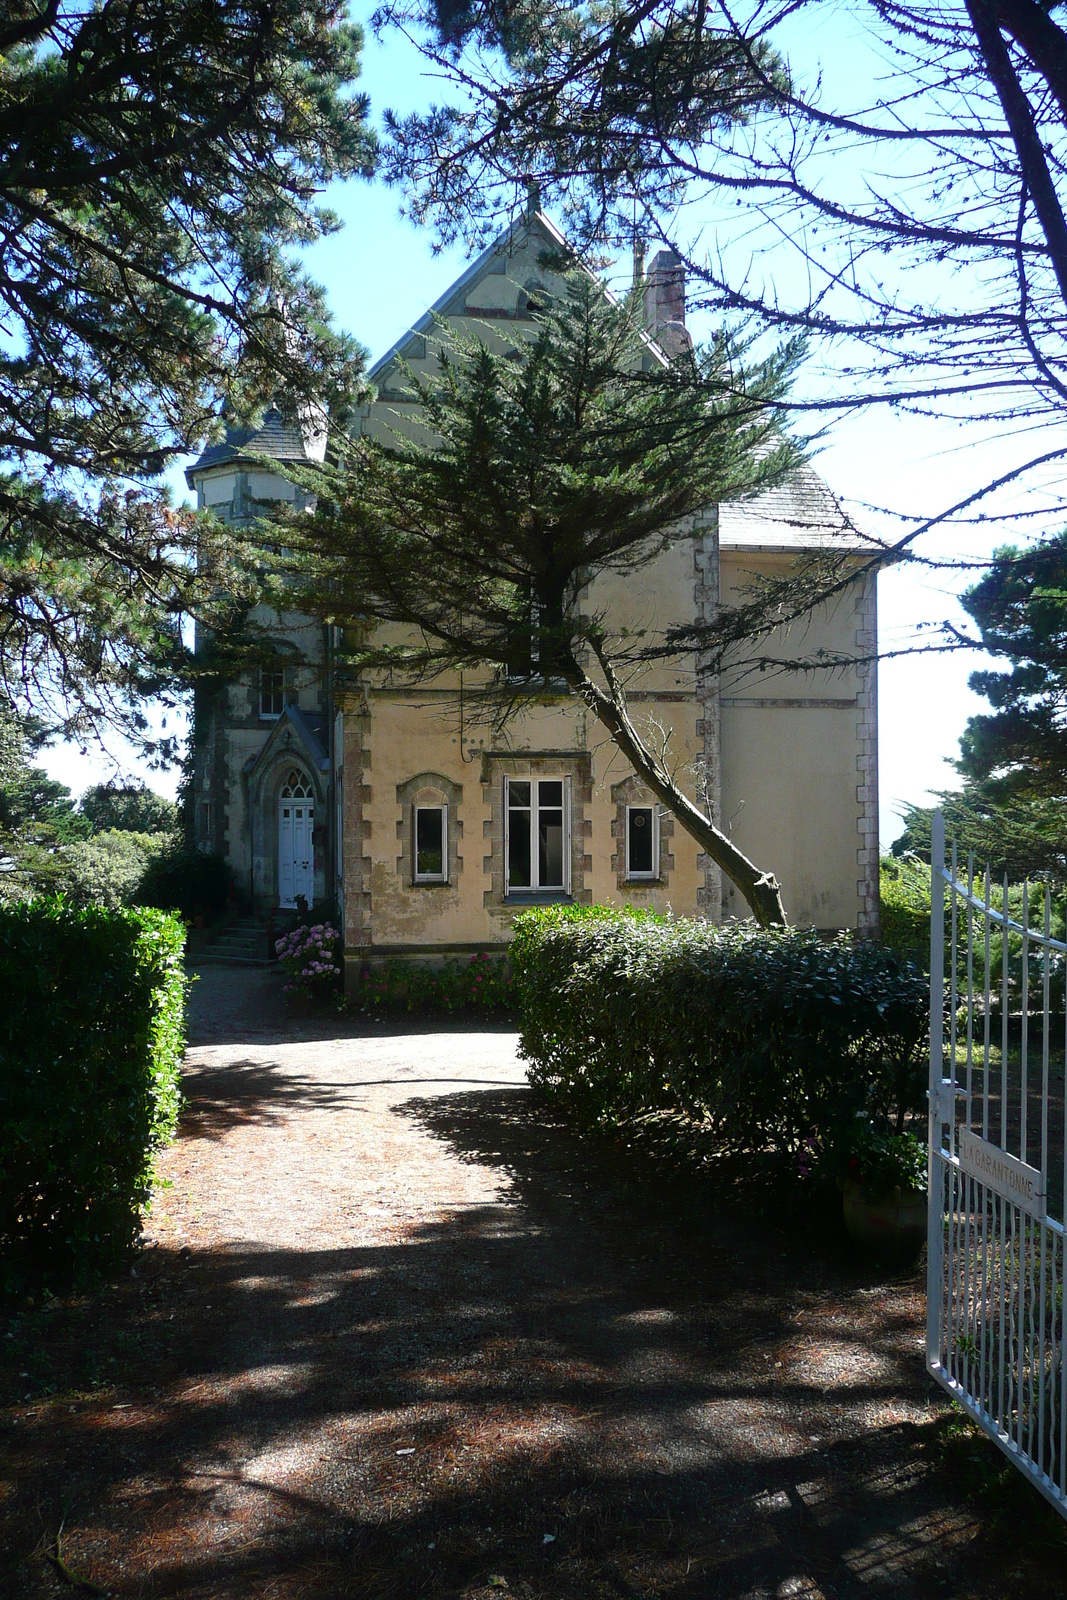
x,y
883,1161
906,909
905,895
108,869
484,983
91,1039
311,957
190,882
770,1039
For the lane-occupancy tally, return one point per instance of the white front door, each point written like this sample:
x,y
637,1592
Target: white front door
x,y
296,850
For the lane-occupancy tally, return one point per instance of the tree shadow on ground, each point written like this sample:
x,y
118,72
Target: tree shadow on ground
x,y
219,1099
580,1392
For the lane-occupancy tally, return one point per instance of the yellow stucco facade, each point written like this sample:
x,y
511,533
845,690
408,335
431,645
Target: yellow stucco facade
x,y
427,815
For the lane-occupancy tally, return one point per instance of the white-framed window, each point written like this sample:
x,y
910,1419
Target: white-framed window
x,y
642,842
537,833
271,693
429,826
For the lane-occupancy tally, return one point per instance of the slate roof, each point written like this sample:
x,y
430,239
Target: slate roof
x,y
284,441
801,513
310,729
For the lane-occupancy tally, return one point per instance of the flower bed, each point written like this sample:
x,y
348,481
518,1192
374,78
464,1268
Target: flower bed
x,y
311,959
484,983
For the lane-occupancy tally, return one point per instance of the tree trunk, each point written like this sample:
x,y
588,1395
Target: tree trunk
x,y
761,890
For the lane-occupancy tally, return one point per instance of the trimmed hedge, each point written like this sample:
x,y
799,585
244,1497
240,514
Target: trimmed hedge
x,y
91,1040
773,1041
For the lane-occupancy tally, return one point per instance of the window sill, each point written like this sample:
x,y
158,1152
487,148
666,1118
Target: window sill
x,y
538,897
643,883
430,883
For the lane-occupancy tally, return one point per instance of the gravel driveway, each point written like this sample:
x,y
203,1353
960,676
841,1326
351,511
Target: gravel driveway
x,y
399,1333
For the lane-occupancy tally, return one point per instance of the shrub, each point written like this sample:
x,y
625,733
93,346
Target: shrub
x,y
311,957
190,882
108,869
905,914
484,983
770,1039
91,1039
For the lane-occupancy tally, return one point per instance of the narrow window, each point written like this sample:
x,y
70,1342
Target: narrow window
x,y
537,834
641,842
520,855
271,693
431,844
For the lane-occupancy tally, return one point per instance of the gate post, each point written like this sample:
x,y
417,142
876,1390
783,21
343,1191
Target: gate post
x,y
935,1177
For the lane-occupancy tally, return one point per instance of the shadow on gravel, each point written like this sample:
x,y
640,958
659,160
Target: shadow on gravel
x,y
582,1395
219,1099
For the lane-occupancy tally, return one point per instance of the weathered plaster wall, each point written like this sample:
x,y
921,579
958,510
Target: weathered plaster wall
x,y
799,762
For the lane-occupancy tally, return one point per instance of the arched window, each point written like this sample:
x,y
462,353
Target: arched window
x,y
297,787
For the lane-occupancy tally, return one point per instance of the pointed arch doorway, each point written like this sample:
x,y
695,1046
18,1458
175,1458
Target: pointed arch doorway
x,y
296,850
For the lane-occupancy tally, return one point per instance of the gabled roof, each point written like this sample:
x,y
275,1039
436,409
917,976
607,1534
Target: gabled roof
x,y
479,268
307,728
469,277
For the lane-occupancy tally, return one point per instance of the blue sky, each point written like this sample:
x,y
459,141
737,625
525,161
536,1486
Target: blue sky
x,y
380,273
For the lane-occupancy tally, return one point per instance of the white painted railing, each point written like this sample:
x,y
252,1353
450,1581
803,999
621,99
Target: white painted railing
x,y
998,1165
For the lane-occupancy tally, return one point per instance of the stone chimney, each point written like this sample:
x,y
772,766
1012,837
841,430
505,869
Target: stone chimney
x,y
665,303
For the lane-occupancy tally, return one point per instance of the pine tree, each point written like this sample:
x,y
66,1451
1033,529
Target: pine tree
x,y
159,162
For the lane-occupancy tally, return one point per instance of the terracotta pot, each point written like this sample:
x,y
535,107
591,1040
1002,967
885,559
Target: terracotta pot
x,y
892,1222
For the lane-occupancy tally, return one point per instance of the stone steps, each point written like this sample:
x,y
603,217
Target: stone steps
x,y
242,943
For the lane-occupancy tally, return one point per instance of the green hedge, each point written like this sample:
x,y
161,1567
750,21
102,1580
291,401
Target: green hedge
x,y
773,1041
91,1039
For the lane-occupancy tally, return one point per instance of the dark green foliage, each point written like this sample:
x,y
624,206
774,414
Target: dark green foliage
x,y
190,882
36,814
484,983
127,808
594,100
91,1039
108,869
1019,750
159,167
880,1161
1026,837
772,1039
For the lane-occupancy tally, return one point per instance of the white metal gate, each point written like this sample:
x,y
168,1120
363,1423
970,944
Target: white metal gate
x,y
995,1333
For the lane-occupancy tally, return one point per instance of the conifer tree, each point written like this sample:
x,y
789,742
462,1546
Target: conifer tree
x,y
159,162
534,472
